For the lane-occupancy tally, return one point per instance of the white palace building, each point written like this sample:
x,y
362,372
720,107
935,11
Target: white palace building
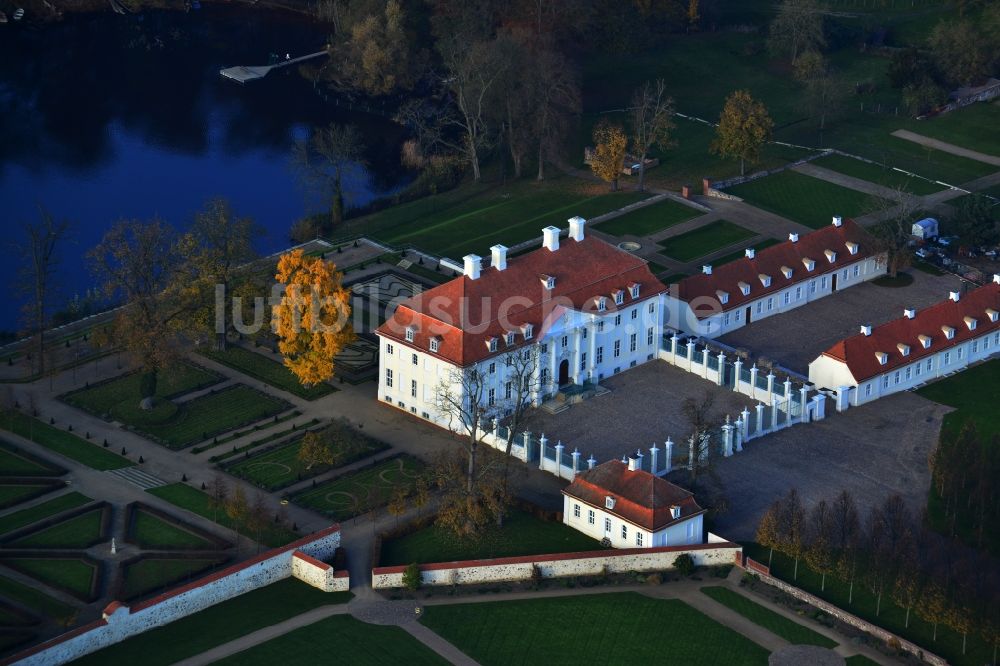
x,y
775,280
589,308
917,348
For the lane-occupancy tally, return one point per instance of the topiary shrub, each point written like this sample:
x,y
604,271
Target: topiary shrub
x,y
411,577
684,564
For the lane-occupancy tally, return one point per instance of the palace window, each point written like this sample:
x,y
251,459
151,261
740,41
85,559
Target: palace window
x,y
618,348
619,297
388,377
492,397
624,531
506,391
602,304
652,307
649,336
493,344
631,343
409,334
583,361
414,360
618,320
565,341
635,312
600,326
509,338
435,344
493,368
576,510
590,516
607,525
388,348
609,502
635,291
600,355
413,388
638,539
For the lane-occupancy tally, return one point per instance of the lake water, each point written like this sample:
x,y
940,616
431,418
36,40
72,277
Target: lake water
x,y
108,117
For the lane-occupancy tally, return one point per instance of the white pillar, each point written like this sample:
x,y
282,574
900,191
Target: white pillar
x,y
727,438
843,398
788,392
753,381
803,400
559,454
690,358
737,371
722,368
591,461
592,353
760,419
691,452
770,387
574,358
638,459
495,429
526,439
542,441
654,459
576,462
820,401
738,435
745,416
668,456
673,345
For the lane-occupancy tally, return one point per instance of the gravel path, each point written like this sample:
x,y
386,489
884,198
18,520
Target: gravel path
x,y
947,147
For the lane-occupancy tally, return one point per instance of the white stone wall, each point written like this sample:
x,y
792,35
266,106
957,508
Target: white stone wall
x,y
319,574
554,566
123,622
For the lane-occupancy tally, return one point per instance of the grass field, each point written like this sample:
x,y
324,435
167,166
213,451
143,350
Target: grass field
x,y
150,574
38,602
522,534
860,660
648,220
15,493
118,398
874,173
63,442
733,256
613,628
803,199
216,625
195,501
153,533
966,128
78,532
19,519
14,463
353,641
891,617
206,416
266,370
73,575
361,491
705,240
779,625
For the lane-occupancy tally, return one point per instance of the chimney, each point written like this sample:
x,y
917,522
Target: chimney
x,y
909,313
838,221
473,264
707,269
996,278
866,330
793,237
675,512
954,296
576,228
750,253
632,464
550,238
499,259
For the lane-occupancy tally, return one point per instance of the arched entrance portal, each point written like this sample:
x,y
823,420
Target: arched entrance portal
x,y
564,372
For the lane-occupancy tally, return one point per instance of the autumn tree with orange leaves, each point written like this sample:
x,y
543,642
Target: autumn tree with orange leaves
x,y
312,320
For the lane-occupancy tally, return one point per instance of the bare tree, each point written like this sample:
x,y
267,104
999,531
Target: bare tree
x,y
39,254
326,159
522,384
798,27
218,490
894,215
462,398
702,420
652,121
557,102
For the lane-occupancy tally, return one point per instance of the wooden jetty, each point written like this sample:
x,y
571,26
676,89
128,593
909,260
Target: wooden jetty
x,y
245,73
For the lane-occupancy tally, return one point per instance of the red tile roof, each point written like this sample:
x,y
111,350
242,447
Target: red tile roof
x,y
771,261
464,314
859,351
641,498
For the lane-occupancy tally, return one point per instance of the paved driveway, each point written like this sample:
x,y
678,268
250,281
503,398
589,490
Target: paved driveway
x,y
795,338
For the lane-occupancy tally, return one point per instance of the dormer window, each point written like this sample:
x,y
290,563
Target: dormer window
x,y
619,297
831,256
491,344
550,282
992,314
410,332
745,288
602,304
435,344
925,341
971,323
903,349
528,331
675,512
948,331
723,297
787,272
765,280
508,338
609,502
882,357
808,263
634,291
852,247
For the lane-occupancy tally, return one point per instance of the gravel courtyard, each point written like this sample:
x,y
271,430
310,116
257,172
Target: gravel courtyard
x,y
795,338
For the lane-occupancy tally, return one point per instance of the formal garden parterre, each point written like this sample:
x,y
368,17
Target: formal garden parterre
x,y
361,491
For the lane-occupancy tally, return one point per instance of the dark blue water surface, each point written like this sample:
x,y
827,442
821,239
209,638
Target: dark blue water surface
x,y
109,117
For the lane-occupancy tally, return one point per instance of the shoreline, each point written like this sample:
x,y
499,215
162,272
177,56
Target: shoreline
x,y
46,11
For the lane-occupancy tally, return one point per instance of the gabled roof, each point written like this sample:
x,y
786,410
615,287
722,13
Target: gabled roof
x,y
860,352
770,261
465,313
641,498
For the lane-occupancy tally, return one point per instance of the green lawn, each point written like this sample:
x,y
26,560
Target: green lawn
x,y
779,625
152,574
613,628
891,617
195,501
119,397
15,493
360,491
705,240
73,575
78,532
19,519
975,393
13,462
63,442
206,416
650,219
153,533
803,199
968,127
877,174
522,534
281,467
733,256
39,602
860,660
352,641
217,625
266,370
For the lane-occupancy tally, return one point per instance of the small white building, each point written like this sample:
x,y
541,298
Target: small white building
x,y
916,348
775,280
589,309
925,229
632,508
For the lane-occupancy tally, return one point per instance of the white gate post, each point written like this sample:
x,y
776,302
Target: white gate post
x,y
654,455
668,455
542,441
760,419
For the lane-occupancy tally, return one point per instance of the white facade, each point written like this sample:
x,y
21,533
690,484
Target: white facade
x,y
599,523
